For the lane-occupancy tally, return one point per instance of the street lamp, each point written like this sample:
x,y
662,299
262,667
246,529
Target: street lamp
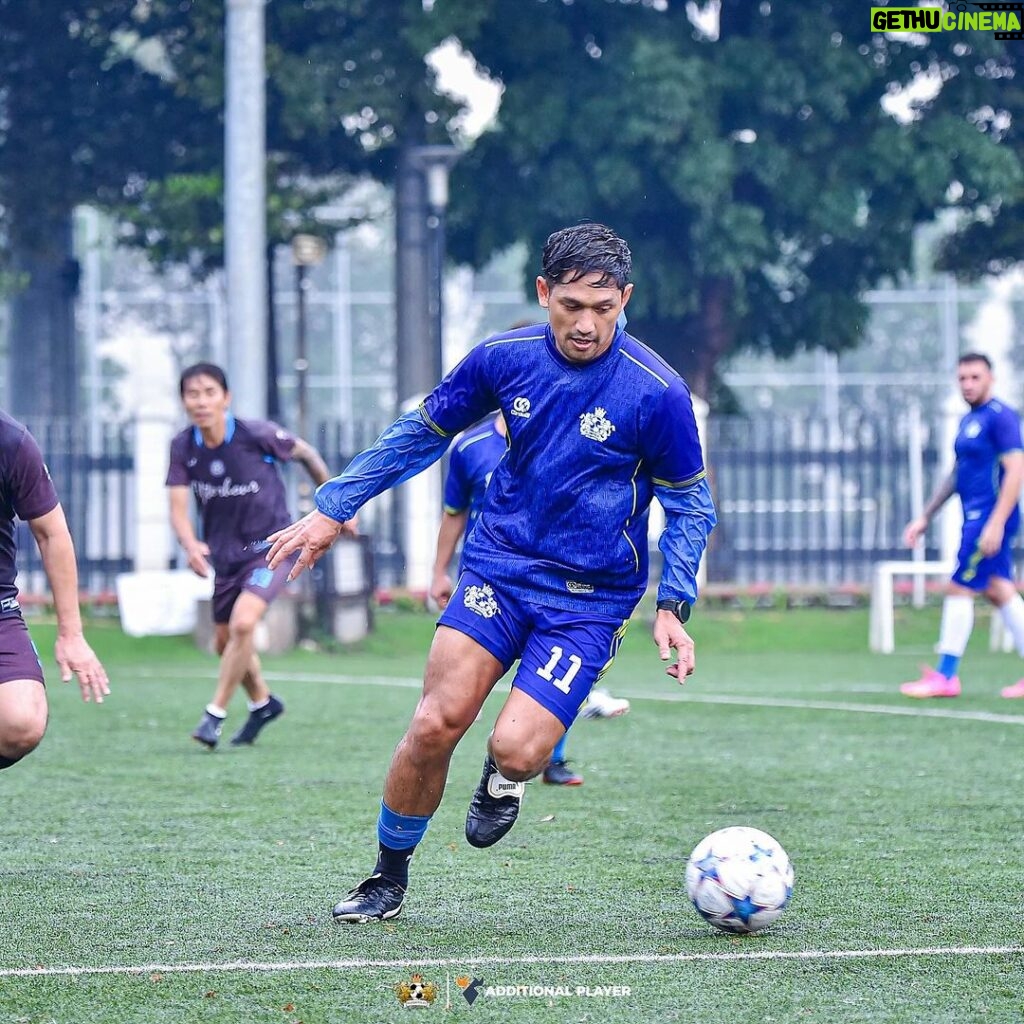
x,y
307,251
435,164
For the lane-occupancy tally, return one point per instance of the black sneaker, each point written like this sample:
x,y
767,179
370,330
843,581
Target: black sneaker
x,y
494,807
256,720
558,773
208,730
375,899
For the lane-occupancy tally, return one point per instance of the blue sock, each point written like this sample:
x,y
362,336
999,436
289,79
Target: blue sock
x,y
398,836
558,754
948,664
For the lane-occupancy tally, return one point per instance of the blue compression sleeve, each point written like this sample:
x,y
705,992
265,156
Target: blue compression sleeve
x,y
406,448
689,519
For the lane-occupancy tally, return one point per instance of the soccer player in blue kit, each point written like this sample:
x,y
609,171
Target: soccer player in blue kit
x,y
597,425
988,475
473,459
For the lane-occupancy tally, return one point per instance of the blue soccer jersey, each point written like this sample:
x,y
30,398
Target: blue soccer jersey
x,y
985,435
566,515
590,444
472,462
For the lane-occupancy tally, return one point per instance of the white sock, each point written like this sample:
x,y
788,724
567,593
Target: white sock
x,y
957,623
256,705
216,711
1013,618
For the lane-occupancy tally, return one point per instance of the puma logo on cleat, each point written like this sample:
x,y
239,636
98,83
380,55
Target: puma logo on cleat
x,y
498,786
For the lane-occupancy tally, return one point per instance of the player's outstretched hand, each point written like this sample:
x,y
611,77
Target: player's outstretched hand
x,y
669,635
311,536
914,530
76,657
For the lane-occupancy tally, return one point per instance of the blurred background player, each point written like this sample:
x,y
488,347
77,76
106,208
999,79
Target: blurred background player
x,y
473,459
987,475
598,425
230,465
28,493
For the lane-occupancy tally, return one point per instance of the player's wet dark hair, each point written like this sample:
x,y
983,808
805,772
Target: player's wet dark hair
x,y
202,370
583,249
975,357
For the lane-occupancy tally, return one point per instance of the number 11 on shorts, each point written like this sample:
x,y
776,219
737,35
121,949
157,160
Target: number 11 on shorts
x,y
547,672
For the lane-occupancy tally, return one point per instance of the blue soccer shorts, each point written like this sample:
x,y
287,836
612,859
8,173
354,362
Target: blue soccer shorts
x,y
973,569
561,654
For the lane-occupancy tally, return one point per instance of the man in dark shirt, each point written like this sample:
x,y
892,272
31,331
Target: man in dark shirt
x,y
26,492
230,466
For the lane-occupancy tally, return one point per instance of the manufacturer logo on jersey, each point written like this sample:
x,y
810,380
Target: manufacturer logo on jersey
x,y
217,468
521,407
575,587
973,429
481,600
191,462
595,426
281,435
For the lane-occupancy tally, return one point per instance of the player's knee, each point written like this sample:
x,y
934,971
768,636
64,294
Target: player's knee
x,y
20,736
242,628
519,757
437,725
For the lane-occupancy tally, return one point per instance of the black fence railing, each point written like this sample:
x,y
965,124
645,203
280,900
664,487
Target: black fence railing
x,y
801,499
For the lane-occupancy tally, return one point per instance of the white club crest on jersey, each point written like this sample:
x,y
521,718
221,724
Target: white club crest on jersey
x,y
973,429
521,407
216,468
595,426
481,600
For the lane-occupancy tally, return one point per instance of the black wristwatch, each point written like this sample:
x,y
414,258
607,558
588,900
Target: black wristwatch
x,y
680,609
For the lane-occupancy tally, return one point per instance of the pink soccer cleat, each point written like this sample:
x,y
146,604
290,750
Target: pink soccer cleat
x,y
932,684
1017,690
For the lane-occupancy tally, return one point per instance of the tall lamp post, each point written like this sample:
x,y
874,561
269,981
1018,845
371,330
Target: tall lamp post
x,y
435,164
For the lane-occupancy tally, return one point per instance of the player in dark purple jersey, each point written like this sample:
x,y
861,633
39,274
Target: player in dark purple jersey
x,y
230,466
26,492
598,426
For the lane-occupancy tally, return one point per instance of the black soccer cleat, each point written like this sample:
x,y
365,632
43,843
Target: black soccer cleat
x,y
256,720
208,730
494,807
374,899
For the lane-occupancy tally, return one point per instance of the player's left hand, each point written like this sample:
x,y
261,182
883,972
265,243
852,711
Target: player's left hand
x,y
669,635
75,657
311,536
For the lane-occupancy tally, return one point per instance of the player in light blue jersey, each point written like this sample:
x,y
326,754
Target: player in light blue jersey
x,y
988,475
597,426
473,459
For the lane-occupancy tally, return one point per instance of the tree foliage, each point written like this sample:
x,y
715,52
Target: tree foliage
x,y
755,173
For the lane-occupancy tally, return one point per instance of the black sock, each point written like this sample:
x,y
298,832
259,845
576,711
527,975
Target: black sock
x,y
394,864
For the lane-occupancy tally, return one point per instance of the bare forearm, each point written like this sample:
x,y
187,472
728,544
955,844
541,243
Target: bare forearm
x,y
942,494
312,461
1009,491
448,539
58,554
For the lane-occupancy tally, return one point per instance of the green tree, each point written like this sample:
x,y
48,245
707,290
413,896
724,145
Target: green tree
x,y
754,171
81,118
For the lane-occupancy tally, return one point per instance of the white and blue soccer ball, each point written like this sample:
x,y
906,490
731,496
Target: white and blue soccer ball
x,y
739,879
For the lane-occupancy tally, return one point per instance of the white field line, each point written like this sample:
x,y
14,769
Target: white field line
x,y
258,966
916,710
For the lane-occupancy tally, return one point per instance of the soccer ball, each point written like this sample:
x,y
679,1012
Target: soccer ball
x,y
739,879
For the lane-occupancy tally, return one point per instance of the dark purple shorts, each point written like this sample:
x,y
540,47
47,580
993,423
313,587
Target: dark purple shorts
x,y
19,658
254,577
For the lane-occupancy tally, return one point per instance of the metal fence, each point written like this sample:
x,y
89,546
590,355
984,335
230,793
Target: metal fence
x,y
806,500
801,499
93,469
